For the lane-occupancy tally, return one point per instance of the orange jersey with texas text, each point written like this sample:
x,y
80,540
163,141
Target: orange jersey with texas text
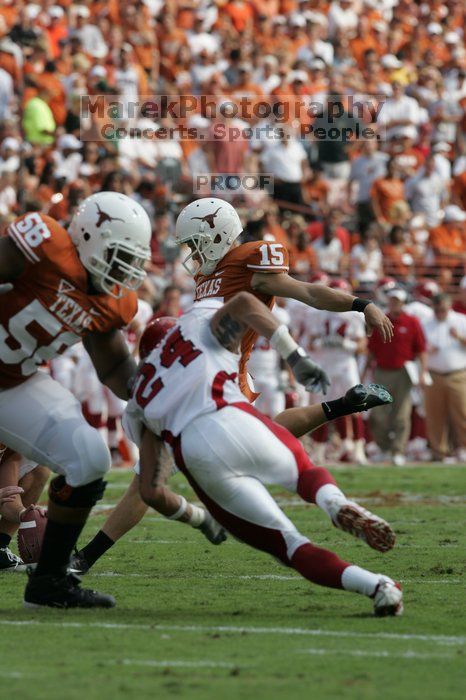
x,y
49,308
233,274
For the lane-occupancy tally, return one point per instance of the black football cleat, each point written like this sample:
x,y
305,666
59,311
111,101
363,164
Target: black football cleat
x,y
50,591
78,564
364,397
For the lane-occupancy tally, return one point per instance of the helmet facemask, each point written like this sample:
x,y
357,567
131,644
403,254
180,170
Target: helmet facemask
x,y
120,270
196,261
208,251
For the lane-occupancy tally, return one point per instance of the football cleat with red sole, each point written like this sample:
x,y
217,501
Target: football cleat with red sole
x,y
363,524
388,598
31,534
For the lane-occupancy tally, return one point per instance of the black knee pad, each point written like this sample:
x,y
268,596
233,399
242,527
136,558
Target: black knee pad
x,y
86,496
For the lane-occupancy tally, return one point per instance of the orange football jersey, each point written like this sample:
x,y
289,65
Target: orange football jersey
x,y
233,274
49,308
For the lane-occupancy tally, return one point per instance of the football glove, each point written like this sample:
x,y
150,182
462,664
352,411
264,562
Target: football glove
x,y
307,372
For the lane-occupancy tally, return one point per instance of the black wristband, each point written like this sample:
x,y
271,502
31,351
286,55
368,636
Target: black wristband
x,y
360,304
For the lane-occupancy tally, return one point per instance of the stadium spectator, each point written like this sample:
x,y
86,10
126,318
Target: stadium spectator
x,y
369,166
445,398
399,254
287,162
426,192
9,158
329,250
170,304
399,110
303,259
388,196
38,122
448,241
334,152
391,425
6,94
316,191
408,158
366,258
441,152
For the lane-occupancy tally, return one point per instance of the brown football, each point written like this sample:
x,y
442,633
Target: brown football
x,y
31,535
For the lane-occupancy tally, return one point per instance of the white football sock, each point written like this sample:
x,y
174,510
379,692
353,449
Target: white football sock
x,y
359,580
197,516
181,510
330,498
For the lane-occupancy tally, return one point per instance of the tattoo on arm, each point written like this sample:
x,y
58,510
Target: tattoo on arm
x,y
229,332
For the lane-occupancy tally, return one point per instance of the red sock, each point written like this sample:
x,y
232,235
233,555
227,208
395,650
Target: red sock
x,y
310,481
418,426
111,424
94,419
341,425
319,565
368,432
320,434
358,426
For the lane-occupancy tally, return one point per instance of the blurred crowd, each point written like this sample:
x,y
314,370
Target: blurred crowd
x,y
370,210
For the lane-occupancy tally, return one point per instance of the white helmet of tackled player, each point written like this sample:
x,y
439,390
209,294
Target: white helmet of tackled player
x,y
112,233
209,226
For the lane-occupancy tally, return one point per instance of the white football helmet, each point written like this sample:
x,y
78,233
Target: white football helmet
x,y
112,233
209,226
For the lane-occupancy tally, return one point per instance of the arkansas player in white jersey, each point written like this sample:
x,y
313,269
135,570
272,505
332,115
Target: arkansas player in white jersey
x,y
61,286
265,368
229,451
222,267
334,340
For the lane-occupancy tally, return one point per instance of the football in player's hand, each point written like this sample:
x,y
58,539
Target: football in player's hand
x,y
31,534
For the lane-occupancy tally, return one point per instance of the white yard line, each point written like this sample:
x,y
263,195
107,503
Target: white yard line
x,y
227,629
160,542
376,654
11,674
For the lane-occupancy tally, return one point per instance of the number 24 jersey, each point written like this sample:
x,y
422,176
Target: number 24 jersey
x,y
188,375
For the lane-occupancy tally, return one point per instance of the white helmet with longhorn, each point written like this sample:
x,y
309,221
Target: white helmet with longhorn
x,y
112,233
209,226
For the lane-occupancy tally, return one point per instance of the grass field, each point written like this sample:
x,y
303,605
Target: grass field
x,y
201,622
